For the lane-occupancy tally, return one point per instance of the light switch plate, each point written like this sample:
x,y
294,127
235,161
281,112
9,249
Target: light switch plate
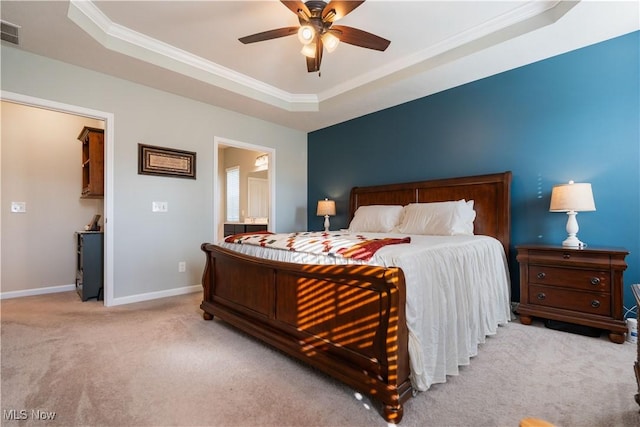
x,y
159,206
18,207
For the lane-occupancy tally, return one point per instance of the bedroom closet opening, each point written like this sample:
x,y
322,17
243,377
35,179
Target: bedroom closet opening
x,y
43,168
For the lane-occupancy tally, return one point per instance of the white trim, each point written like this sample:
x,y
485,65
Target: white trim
x,y
527,10
271,176
155,295
109,217
37,291
124,40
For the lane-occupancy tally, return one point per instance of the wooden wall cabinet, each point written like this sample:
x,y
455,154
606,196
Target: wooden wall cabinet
x,y
92,162
579,286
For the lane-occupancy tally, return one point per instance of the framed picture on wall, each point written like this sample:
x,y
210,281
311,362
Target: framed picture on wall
x,y
163,161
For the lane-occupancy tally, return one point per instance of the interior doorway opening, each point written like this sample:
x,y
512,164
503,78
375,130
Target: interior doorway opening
x,y
107,119
256,205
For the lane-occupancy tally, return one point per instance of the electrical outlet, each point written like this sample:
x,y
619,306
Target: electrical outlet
x,y
159,206
182,267
18,207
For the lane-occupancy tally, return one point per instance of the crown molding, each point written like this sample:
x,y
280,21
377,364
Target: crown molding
x,y
126,41
540,13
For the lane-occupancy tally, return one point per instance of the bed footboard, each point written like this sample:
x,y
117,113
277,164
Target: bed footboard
x,y
347,321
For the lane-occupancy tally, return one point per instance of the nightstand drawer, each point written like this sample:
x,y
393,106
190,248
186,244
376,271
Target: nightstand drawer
x,y
589,280
568,256
584,302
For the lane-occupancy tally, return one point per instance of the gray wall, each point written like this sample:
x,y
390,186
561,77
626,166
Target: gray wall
x,y
148,246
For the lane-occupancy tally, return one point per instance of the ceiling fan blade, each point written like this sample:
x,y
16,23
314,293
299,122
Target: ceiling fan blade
x,y
296,6
268,35
360,38
313,64
341,9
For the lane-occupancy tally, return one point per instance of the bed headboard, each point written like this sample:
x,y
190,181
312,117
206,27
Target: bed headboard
x,y
491,195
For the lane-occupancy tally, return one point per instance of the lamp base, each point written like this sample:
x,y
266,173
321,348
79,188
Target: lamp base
x,y
573,242
326,223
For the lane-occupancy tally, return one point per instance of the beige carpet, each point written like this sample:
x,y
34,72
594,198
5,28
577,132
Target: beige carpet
x,y
158,363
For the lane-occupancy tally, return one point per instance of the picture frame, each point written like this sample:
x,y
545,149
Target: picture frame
x,y
162,161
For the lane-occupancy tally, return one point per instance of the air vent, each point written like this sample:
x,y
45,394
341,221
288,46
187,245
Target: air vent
x,y
9,32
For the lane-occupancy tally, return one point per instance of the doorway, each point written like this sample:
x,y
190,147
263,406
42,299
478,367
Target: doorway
x,y
263,203
107,208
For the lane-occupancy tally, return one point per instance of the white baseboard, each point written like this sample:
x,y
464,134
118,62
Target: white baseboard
x,y
116,301
37,291
155,295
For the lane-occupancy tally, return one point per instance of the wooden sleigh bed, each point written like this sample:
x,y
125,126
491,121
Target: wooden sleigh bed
x,y
361,339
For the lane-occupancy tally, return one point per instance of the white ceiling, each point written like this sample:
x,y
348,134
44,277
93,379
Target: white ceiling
x,y
191,48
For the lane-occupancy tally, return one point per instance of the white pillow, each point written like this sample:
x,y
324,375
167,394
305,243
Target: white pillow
x,y
375,218
438,218
467,216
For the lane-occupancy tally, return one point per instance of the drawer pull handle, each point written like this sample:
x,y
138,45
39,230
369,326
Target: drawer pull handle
x,y
566,255
595,281
541,275
541,296
595,303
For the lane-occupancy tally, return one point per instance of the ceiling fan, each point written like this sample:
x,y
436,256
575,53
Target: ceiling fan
x,y
316,30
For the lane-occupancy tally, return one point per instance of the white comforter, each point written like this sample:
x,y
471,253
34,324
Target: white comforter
x,y
457,291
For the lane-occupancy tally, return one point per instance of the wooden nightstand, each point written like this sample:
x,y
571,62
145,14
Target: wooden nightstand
x,y
580,286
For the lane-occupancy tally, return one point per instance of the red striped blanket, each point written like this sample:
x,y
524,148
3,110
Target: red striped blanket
x,y
345,245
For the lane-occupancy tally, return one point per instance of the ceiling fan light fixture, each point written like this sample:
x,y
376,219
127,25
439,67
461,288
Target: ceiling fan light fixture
x,y
330,41
306,34
316,30
309,50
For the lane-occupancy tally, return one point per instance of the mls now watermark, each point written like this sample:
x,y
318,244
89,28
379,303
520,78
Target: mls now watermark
x,y
23,414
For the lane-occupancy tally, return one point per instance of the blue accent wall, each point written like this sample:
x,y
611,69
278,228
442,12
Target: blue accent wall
x,y
575,116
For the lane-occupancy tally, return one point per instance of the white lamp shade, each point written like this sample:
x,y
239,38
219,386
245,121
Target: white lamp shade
x,y
576,197
326,207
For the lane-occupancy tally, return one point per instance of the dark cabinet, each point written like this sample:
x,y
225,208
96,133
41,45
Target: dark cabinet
x,y
89,264
237,228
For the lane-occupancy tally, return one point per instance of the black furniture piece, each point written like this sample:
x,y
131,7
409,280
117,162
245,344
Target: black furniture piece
x,y
89,264
231,228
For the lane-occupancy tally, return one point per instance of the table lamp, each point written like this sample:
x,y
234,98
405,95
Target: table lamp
x,y
572,198
326,208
